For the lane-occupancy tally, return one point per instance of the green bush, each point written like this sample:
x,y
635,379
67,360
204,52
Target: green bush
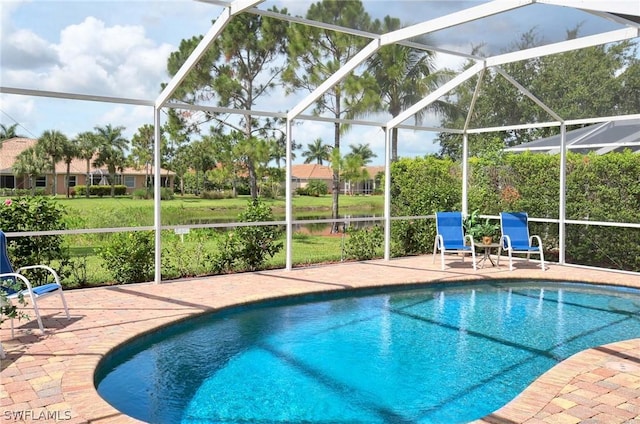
x,y
142,193
184,259
215,194
365,243
100,190
35,214
314,188
421,186
248,247
129,257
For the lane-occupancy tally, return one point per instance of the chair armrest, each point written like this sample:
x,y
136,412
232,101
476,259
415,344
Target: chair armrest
x,y
18,276
51,270
440,241
505,240
535,237
470,241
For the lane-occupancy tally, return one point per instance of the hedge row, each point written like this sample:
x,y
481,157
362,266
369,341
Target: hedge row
x,y
599,188
99,190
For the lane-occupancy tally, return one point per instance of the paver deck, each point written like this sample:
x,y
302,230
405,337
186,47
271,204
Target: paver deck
x,y
49,378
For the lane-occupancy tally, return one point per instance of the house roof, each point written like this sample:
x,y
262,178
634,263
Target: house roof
x,y
612,136
313,171
11,148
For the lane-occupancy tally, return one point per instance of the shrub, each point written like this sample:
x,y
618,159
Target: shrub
x,y
421,187
35,214
100,190
129,257
183,259
364,243
247,248
143,193
314,188
216,194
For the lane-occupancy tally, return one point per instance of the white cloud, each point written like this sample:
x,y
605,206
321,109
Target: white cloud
x,y
130,117
92,58
20,109
25,49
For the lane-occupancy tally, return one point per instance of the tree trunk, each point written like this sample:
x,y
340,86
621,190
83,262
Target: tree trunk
x,y
394,144
67,177
253,181
86,183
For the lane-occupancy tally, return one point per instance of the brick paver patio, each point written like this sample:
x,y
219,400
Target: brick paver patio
x,y
50,378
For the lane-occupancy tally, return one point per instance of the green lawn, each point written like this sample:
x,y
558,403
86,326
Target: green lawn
x,y
124,211
88,269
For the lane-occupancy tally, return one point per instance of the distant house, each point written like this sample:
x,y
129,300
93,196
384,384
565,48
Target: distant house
x,y
130,177
302,174
613,136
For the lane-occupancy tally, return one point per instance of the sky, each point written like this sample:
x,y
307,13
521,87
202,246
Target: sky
x,y
120,48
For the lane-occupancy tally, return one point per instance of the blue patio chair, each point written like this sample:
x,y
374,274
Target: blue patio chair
x,y
8,275
515,237
450,237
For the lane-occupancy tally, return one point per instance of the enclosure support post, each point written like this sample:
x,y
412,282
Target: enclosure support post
x,y
563,193
157,218
288,200
387,194
465,172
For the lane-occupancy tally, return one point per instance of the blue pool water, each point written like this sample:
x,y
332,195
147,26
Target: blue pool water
x,y
437,354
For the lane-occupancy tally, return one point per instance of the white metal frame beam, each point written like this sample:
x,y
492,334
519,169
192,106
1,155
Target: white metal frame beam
x,y
436,94
527,93
564,46
625,7
453,19
234,8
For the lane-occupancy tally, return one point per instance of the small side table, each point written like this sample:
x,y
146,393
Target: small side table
x,y
487,253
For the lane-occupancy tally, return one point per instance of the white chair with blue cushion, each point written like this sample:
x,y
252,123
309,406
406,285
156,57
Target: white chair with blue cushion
x,y
27,290
450,237
515,237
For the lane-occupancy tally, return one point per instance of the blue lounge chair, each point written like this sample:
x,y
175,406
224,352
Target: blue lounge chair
x,y
7,274
515,237
450,237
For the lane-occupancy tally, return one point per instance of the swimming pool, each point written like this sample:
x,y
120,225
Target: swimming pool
x,y
438,353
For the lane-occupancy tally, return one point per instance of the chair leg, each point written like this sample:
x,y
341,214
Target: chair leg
x,y
38,317
442,259
2,355
435,249
510,261
64,303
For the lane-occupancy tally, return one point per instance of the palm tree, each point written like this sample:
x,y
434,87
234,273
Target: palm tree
x,y
69,151
404,75
364,151
51,143
87,143
111,148
7,132
31,162
142,152
316,151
